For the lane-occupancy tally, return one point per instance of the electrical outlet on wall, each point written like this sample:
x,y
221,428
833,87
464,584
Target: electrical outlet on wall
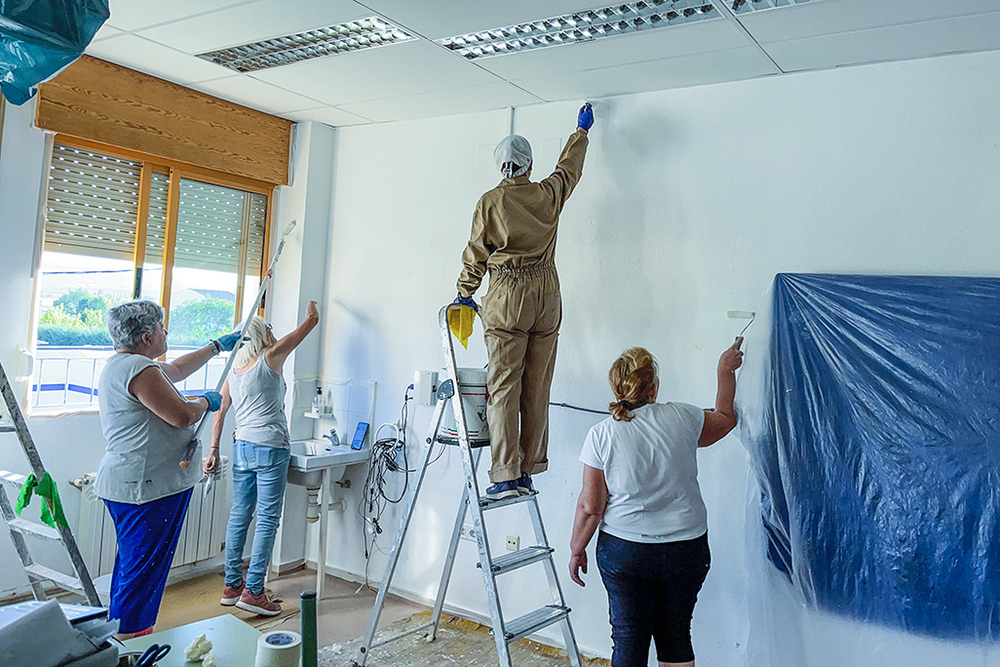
x,y
468,532
513,542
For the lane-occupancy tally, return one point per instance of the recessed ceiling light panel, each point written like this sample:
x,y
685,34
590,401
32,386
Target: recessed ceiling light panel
x,y
319,43
582,26
747,6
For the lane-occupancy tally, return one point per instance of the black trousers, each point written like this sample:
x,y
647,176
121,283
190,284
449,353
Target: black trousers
x,y
652,589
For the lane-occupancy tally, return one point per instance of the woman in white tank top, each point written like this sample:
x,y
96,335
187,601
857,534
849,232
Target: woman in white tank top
x,y
256,392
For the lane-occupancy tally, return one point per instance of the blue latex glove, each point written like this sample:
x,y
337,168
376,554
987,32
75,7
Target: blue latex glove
x,y
466,301
586,118
214,399
228,342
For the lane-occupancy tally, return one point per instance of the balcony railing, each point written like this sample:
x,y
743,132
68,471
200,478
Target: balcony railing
x,y
68,376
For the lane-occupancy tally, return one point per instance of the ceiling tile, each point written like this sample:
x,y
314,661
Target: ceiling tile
x,y
253,22
901,42
329,115
106,31
146,56
444,18
833,16
709,35
373,74
716,67
135,14
444,103
244,89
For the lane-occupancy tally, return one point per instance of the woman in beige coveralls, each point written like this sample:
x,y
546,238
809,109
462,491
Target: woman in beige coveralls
x,y
514,238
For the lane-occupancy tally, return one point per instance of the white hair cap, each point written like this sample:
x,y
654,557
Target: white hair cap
x,y
513,155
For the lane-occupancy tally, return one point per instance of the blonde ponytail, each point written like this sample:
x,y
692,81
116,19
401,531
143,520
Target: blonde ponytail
x,y
633,380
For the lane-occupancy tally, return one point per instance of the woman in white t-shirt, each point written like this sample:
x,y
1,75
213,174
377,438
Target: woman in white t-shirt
x,y
640,487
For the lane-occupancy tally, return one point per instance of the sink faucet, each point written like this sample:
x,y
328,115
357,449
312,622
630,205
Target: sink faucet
x,y
333,437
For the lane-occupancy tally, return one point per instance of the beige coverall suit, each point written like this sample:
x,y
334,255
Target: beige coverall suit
x,y
514,237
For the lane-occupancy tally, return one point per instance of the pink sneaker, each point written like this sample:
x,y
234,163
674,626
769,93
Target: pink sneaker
x,y
259,604
230,595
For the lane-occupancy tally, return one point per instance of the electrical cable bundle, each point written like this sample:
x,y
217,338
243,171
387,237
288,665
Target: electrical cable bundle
x,y
384,459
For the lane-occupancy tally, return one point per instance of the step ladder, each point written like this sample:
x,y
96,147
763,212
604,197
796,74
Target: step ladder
x,y
505,632
13,422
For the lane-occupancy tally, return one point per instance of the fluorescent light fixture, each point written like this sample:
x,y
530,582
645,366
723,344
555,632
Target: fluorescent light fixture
x,y
579,27
341,38
747,6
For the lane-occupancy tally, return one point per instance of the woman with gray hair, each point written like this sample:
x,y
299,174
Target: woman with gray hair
x,y
261,453
148,425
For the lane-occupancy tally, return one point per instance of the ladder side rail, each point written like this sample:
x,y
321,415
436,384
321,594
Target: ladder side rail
x,y
482,539
37,590
449,561
555,587
28,445
390,568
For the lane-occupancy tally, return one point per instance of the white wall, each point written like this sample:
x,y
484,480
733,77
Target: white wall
x,y
691,201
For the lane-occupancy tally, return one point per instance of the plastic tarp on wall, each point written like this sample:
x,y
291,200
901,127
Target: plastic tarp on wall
x,y
38,38
877,448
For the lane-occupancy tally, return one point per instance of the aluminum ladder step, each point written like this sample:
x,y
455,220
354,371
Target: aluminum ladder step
x,y
490,504
7,428
519,559
12,479
535,621
454,441
37,529
63,581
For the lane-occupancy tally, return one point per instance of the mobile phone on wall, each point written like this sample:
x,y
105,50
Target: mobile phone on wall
x,y
359,435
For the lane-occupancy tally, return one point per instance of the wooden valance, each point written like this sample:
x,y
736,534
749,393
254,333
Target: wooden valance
x,y
101,101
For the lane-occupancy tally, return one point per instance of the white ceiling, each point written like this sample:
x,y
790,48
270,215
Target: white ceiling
x,y
420,78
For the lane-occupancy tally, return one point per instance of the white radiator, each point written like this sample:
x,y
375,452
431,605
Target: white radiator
x,y
202,537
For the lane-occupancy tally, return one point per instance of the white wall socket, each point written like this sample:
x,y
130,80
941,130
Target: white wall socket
x,y
513,542
468,532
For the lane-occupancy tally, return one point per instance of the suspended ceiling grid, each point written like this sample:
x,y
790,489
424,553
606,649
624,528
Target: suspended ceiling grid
x,y
421,78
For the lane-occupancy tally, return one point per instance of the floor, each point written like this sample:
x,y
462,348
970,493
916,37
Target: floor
x,y
343,616
342,613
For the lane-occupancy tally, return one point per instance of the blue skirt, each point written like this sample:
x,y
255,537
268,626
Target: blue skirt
x,y
147,537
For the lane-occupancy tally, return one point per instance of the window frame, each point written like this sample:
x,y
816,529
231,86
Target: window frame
x,y
175,171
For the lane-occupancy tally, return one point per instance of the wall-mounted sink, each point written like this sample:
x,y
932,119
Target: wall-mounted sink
x,y
311,457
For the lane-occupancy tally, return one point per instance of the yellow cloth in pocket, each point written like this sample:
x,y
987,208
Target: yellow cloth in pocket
x,y
460,321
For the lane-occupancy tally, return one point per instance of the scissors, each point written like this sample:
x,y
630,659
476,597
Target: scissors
x,y
153,655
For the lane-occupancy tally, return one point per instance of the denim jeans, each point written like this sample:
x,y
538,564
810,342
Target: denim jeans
x,y
652,590
259,477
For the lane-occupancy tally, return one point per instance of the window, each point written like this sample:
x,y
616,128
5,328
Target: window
x,y
120,225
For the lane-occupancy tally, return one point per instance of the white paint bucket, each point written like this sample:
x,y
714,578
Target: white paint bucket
x,y
472,387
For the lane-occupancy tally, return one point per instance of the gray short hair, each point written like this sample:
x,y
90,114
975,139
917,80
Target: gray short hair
x,y
128,321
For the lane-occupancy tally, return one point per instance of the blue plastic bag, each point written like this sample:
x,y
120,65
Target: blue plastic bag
x,y
38,38
877,448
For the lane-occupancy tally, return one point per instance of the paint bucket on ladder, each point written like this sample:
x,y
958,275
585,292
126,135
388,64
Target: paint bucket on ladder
x,y
472,387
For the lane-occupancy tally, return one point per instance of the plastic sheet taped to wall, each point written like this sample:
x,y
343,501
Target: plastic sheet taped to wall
x,y
877,448
38,38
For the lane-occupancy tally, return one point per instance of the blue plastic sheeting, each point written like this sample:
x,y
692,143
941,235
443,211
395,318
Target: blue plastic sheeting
x,y
38,38
877,448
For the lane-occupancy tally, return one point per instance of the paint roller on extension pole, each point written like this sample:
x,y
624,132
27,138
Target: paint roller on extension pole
x,y
264,284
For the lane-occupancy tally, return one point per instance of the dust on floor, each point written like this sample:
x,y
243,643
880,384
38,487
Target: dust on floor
x,y
459,643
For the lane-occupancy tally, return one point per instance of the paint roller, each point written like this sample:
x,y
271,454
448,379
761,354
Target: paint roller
x,y
264,284
742,315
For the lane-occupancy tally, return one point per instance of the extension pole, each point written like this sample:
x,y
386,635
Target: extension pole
x,y
307,611
264,284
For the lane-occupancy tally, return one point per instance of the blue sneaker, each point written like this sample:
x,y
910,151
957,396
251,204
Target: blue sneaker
x,y
524,485
502,490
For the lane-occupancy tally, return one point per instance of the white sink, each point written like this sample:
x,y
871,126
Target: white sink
x,y
311,457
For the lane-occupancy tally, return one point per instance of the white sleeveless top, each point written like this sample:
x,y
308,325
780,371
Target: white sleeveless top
x,y
258,396
142,461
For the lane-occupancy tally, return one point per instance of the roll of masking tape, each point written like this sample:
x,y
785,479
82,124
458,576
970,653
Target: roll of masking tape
x,y
280,648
